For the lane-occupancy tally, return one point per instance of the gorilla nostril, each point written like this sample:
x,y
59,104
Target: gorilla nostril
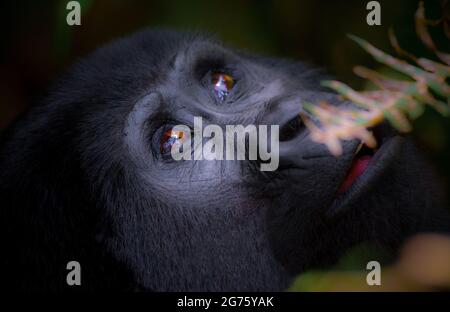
x,y
289,130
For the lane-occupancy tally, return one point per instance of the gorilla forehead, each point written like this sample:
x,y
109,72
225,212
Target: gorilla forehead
x,y
130,66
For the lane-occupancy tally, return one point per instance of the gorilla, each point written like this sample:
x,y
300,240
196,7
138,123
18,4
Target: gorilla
x,y
84,176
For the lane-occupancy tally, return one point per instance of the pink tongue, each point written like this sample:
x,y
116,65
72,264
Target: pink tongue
x,y
358,167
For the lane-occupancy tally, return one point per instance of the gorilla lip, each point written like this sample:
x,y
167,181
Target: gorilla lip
x,y
365,157
367,166
361,161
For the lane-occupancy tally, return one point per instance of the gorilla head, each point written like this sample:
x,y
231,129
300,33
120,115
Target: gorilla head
x,y
84,176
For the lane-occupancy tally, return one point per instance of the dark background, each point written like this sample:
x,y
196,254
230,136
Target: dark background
x,y
38,44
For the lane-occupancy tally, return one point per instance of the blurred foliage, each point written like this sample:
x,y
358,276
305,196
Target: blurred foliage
x,y
396,100
423,265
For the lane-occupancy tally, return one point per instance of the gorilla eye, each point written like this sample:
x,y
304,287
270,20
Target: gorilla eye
x,y
169,138
222,83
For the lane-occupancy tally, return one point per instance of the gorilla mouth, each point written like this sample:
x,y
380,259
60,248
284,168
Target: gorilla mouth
x,y
361,161
367,165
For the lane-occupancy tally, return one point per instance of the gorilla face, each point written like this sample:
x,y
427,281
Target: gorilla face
x,y
86,176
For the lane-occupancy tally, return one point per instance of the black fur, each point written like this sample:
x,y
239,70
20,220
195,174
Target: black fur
x,y
81,179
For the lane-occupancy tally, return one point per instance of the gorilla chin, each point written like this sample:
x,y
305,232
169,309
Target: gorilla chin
x,y
86,176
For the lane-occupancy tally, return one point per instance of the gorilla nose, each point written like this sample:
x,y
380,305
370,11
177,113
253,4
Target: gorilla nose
x,y
291,129
296,148
285,114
